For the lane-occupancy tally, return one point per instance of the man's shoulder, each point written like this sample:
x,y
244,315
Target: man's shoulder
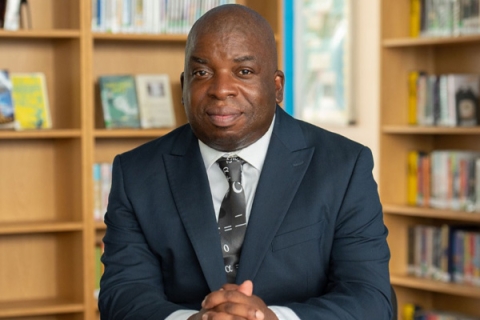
x,y
326,139
158,146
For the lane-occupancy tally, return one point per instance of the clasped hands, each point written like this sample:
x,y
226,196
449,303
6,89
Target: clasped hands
x,y
234,302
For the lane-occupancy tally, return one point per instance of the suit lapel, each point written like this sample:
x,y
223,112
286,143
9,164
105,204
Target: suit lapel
x,y
189,185
285,165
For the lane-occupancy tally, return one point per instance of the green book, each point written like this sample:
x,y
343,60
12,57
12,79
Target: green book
x,y
119,101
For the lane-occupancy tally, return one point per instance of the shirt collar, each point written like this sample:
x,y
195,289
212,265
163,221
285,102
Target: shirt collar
x,y
254,154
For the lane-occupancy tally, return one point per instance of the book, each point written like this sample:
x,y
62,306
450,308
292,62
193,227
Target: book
x,y
412,97
119,101
105,185
422,95
155,100
97,192
415,17
465,89
477,185
3,6
7,118
30,100
12,15
412,177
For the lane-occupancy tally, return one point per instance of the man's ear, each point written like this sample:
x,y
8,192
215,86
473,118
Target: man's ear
x,y
279,85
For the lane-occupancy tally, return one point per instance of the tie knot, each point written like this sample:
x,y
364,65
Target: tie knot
x,y
231,167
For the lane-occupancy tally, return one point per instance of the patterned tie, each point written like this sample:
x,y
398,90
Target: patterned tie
x,y
232,222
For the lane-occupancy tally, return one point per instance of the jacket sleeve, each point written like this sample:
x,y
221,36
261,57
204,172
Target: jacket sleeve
x,y
358,280
131,286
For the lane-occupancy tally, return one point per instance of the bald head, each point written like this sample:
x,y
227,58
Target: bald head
x,y
231,83
234,18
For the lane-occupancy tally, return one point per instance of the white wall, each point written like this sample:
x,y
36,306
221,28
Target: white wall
x,y
366,63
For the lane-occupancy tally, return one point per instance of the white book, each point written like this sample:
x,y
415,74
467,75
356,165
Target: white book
x,y
106,183
12,15
155,101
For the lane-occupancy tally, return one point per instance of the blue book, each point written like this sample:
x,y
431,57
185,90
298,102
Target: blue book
x,y
7,118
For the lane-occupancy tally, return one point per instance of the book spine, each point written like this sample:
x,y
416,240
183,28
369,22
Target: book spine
x,y
412,97
12,15
412,178
477,185
106,183
476,260
415,16
97,192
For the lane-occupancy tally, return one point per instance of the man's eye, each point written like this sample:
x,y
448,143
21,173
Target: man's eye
x,y
245,72
200,73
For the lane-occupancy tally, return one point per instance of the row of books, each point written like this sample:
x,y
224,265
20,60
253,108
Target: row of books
x,y
444,179
136,101
149,16
102,180
24,101
411,311
437,18
443,100
445,253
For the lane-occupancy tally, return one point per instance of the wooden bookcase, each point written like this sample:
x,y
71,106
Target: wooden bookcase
x,y
401,54
47,230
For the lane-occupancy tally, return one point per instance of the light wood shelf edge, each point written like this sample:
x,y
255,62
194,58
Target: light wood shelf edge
x,y
433,41
405,129
40,34
41,134
130,133
39,307
435,286
39,227
431,213
100,225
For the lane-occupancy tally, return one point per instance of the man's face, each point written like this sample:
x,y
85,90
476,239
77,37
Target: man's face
x,y
230,89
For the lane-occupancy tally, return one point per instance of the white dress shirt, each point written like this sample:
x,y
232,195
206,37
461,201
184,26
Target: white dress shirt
x,y
254,155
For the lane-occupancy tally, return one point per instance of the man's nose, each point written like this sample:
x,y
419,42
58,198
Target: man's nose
x,y
223,85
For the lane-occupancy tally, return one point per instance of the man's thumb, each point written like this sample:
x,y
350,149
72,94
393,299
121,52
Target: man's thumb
x,y
246,288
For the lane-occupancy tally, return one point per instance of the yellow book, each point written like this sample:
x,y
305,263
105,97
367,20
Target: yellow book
x,y
412,178
415,18
412,97
408,311
30,100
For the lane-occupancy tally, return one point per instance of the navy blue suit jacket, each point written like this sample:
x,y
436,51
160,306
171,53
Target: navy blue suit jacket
x,y
315,242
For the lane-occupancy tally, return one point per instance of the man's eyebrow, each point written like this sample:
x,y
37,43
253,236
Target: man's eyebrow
x,y
244,58
198,60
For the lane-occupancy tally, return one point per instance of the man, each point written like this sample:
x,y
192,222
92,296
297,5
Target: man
x,y
315,243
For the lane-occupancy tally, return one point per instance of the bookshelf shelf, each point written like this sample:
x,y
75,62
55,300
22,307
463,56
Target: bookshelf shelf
x,y
402,210
39,307
46,34
39,227
41,134
130,133
140,37
47,239
400,55
408,129
437,41
100,225
435,286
